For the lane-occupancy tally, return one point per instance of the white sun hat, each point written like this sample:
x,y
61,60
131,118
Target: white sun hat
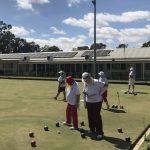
x,y
85,75
62,73
101,73
131,69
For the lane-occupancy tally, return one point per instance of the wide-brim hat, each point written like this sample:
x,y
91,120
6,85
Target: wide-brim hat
x,y
61,72
86,76
131,69
101,73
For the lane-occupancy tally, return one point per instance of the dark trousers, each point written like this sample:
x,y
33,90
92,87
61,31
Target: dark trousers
x,y
94,117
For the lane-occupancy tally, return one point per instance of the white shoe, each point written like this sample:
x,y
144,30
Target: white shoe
x,y
99,137
73,128
66,124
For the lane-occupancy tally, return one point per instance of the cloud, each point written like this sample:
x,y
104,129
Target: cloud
x,y
28,4
107,34
20,31
56,31
131,36
104,19
74,2
64,43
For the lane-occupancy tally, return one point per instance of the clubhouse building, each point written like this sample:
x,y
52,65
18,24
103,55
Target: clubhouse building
x,y
114,62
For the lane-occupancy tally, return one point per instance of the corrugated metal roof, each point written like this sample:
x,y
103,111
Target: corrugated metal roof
x,y
120,54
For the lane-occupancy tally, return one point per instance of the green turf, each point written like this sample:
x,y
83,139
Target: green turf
x,y
28,105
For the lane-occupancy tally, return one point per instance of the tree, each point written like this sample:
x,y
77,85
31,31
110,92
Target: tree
x,y
6,38
47,48
122,46
10,44
98,46
146,44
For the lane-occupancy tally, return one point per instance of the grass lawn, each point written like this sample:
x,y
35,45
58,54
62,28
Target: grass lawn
x,y
28,105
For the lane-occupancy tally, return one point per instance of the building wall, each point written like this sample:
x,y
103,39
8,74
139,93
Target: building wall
x,y
113,70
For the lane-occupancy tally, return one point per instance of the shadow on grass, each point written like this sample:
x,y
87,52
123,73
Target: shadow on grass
x,y
85,133
118,143
142,93
117,110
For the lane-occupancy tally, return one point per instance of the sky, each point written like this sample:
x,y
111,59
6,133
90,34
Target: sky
x,y
69,24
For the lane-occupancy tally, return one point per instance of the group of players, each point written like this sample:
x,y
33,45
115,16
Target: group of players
x,y
94,94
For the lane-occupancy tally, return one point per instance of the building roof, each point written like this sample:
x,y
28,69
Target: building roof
x,y
118,54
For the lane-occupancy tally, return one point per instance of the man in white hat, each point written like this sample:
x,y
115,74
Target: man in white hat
x,y
61,84
131,81
103,79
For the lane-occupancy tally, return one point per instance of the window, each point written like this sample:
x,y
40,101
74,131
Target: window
x,y
78,67
116,66
123,66
108,66
87,67
101,67
147,66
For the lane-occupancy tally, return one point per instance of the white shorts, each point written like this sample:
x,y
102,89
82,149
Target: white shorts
x,y
131,81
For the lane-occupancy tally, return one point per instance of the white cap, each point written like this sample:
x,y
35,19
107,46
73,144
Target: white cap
x,y
131,69
101,73
85,75
61,72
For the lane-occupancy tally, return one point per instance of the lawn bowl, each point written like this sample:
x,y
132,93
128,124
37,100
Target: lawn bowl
x,y
57,124
58,131
113,106
83,135
46,128
126,92
120,130
33,143
128,139
121,107
31,134
116,106
82,123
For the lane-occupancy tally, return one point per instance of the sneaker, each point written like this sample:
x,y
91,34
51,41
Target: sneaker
x,y
73,128
66,124
99,137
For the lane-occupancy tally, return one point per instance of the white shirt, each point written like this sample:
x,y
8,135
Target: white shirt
x,y
62,82
132,75
103,79
93,91
71,93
